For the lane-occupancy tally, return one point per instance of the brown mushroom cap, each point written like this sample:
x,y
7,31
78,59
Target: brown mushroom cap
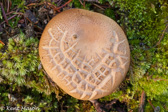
x,y
85,53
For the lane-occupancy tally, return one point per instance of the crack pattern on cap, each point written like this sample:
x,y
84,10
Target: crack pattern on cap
x,y
87,78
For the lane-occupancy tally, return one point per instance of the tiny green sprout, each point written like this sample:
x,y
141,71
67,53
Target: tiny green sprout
x,y
10,47
13,72
16,58
11,41
9,64
1,45
4,62
0,14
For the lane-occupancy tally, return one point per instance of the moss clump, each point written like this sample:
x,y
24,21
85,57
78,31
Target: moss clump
x,y
19,69
144,22
20,59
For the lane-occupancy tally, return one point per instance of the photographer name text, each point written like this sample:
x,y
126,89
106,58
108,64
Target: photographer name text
x,y
19,108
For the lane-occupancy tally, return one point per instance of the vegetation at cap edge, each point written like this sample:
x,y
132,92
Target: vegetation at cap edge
x,y
23,83
144,22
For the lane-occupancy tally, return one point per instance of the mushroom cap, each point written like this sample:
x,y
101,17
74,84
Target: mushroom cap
x,y
85,53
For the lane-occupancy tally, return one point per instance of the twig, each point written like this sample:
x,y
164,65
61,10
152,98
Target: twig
x,y
98,6
109,105
52,6
15,8
37,4
10,13
151,104
47,3
160,79
62,5
80,2
92,1
161,36
49,79
97,105
9,19
8,6
16,13
19,13
3,12
103,107
32,4
142,102
59,2
83,4
2,42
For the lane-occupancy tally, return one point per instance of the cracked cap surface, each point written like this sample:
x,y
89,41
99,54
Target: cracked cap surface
x,y
85,53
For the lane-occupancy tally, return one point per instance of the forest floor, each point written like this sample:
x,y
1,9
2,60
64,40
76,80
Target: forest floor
x,y
31,17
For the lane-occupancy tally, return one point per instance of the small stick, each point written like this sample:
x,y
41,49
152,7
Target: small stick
x,y
161,36
10,13
2,42
97,105
92,1
8,6
52,6
32,4
80,2
59,2
49,79
109,105
63,5
84,4
3,12
151,104
47,3
15,8
37,4
16,13
142,102
9,19
159,79
98,6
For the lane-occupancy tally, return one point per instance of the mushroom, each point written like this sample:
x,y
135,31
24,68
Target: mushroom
x,y
85,53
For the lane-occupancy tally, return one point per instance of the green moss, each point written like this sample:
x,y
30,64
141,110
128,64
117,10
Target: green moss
x,y
0,14
144,22
19,68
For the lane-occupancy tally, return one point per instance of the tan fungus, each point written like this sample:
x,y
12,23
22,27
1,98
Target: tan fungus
x,y
85,53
